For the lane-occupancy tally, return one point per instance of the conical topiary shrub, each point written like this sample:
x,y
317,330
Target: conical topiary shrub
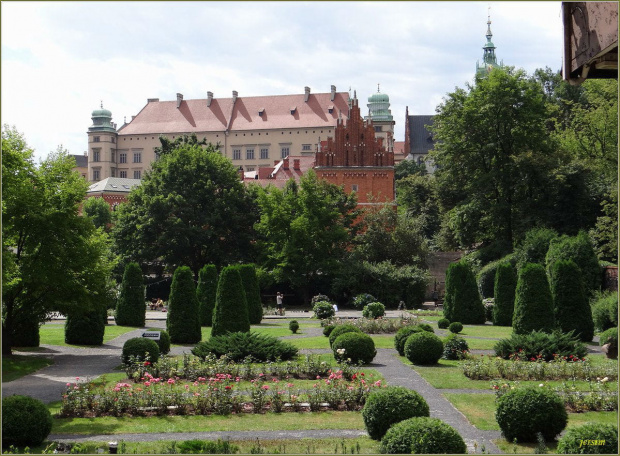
x,y
131,306
533,302
462,302
571,308
205,292
85,328
505,286
252,293
231,309
182,322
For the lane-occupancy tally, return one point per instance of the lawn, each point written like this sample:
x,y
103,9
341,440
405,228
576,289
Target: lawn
x,y
54,334
16,366
493,332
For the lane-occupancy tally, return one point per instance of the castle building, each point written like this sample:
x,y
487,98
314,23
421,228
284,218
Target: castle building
x,y
381,116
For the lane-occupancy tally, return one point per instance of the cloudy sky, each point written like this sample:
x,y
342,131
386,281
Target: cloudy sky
x,y
59,60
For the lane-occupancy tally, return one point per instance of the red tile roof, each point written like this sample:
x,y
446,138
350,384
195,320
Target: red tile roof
x,y
278,176
399,147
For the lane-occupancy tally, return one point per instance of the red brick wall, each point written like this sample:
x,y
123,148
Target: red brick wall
x,y
378,182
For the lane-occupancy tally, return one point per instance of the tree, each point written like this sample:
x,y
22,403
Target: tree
x,y
98,211
462,302
231,308
533,301
417,195
130,307
505,286
252,293
182,322
52,259
604,235
534,247
190,209
205,292
167,145
408,168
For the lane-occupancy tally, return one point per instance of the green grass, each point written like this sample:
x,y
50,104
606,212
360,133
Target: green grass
x,y
480,344
54,334
17,366
317,342
494,332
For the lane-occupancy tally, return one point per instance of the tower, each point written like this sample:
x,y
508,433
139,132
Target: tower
x,y
102,138
381,116
489,60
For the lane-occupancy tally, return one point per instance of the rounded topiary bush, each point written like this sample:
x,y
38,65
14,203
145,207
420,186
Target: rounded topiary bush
x,y
423,348
443,323
85,328
455,327
390,405
523,412
533,302
341,329
422,436
327,330
605,311
183,319
426,327
205,292
25,421
293,326
131,306
455,347
590,438
403,334
323,310
354,348
373,310
164,341
139,347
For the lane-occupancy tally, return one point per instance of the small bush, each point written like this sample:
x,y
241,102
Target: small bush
x,y
359,348
605,437
319,298
238,346
609,337
327,330
373,310
293,326
85,328
605,311
533,302
528,346
505,287
423,348
403,334
323,310
443,323
489,305
139,347
207,447
341,329
455,327
426,327
362,300
422,436
164,341
523,412
455,347
391,405
25,421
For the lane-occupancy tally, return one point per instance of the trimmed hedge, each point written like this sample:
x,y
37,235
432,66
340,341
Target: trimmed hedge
x,y
231,308
139,347
252,293
462,302
423,348
293,326
183,320
605,311
131,306
237,346
533,301
486,276
589,438
359,348
323,310
391,405
205,292
403,334
373,310
25,421
529,346
341,329
455,327
523,412
164,341
505,288
422,436
86,328
443,323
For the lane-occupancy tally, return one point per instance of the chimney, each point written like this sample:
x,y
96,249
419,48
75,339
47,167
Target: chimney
x,y
296,164
333,93
132,118
179,99
85,154
235,95
152,100
209,98
285,164
306,93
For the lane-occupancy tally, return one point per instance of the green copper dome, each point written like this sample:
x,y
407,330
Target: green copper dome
x,y
102,120
101,113
379,98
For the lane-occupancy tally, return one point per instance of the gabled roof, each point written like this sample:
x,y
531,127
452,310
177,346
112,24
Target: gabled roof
x,y
420,137
81,161
113,185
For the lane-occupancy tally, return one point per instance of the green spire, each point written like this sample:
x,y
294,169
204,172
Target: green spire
x,y
488,58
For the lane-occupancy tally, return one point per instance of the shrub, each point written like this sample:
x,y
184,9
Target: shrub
x,y
572,311
604,435
403,334
423,348
293,326
391,405
183,320
528,346
252,293
462,301
362,300
533,302
505,287
130,307
455,347
489,305
443,323
237,346
231,309
359,348
605,311
373,310
138,347
455,327
426,327
327,330
207,447
609,337
534,247
319,298
164,341
25,421
486,277
422,436
523,412
205,292
26,332
323,310
341,329
85,328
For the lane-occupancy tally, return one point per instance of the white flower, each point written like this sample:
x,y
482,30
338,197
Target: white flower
x,y
605,380
541,385
340,351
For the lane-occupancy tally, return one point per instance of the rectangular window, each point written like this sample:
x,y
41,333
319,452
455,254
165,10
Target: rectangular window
x,y
284,152
96,174
96,155
122,157
137,157
122,174
250,168
137,174
354,188
236,154
113,140
306,147
113,154
264,153
96,139
378,128
249,154
113,171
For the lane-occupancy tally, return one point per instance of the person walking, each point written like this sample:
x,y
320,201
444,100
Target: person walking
x,y
279,303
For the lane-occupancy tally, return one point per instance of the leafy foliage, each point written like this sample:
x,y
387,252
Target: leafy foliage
x,y
319,298
462,301
604,235
529,346
443,323
207,447
164,341
131,307
605,435
605,311
323,310
293,326
534,247
354,347
86,328
373,310
609,337
455,327
362,300
231,309
403,334
533,302
205,292
423,436
486,276
237,346
252,293
419,197
341,329
139,348
423,348
505,288
25,421
183,322
98,210
455,347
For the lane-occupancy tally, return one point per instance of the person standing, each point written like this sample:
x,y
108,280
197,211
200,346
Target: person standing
x,y
279,303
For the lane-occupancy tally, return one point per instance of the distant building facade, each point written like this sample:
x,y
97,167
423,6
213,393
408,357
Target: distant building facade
x,y
114,190
81,164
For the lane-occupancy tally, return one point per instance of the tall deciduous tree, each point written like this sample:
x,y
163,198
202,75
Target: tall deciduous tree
x,y
98,211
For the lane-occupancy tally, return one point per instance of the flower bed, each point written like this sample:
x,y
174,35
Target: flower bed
x,y
375,326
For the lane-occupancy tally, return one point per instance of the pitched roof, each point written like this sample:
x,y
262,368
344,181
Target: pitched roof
x,y
280,176
399,147
113,185
420,138
81,161
278,111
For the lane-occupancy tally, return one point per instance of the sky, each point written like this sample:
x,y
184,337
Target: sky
x,y
61,60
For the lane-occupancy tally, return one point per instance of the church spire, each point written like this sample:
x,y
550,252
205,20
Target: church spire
x,y
489,60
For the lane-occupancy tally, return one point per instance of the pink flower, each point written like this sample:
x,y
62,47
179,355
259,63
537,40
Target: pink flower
x,y
265,387
171,381
147,383
68,384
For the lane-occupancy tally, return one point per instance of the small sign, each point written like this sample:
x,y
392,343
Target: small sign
x,y
153,335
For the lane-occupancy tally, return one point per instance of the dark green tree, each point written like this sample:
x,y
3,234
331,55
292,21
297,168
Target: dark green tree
x,y
534,247
505,287
571,308
462,301
418,196
168,145
98,211
252,293
408,168
533,301
231,308
86,328
605,233
131,307
206,291
183,322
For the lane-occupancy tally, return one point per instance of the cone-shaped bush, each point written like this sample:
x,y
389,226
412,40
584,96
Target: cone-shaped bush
x,y
571,308
505,286
231,309
533,302
183,323
463,302
252,293
131,307
205,291
85,328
